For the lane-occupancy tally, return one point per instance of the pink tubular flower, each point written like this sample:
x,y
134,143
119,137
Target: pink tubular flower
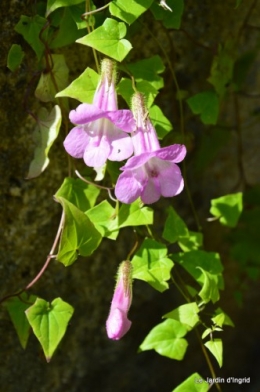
x,y
117,323
100,131
152,172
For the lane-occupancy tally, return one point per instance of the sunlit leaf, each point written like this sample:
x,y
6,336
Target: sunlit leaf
x,y
52,5
16,307
152,265
46,88
174,228
125,88
194,383
49,322
15,57
79,235
222,318
159,121
135,214
206,104
128,11
169,19
83,88
216,348
45,134
105,220
209,291
167,339
108,39
228,208
192,242
187,314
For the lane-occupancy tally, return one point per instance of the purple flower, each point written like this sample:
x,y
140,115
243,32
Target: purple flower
x,y
100,131
117,323
152,172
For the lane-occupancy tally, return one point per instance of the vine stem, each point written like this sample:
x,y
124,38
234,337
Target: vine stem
x,y
181,125
44,267
89,31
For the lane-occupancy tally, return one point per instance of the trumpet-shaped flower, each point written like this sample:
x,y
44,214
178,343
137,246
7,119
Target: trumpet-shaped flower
x,y
100,131
117,323
152,172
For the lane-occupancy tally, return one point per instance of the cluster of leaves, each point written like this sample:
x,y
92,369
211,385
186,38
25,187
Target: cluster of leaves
x,y
87,220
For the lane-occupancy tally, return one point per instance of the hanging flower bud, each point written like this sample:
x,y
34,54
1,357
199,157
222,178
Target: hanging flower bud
x,y
117,324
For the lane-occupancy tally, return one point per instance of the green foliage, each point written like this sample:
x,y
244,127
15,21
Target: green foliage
x,y
45,133
194,383
49,322
186,314
130,11
228,208
206,104
125,88
79,235
108,39
15,57
167,339
193,242
52,5
82,88
16,307
174,228
152,265
216,348
169,19
222,318
160,122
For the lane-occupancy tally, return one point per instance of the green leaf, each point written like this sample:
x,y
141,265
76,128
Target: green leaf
x,y
207,332
135,215
216,348
160,122
206,104
79,235
83,88
167,340
49,322
78,10
30,28
125,89
222,68
187,314
105,220
52,5
174,228
208,261
209,291
169,19
128,11
108,39
62,38
15,57
152,265
79,193
222,318
193,242
195,383
228,208
16,308
45,134
148,70
46,89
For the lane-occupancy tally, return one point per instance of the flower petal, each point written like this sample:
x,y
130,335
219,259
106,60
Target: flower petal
x,y
128,187
121,144
117,324
123,119
175,153
76,142
85,113
152,191
96,152
170,178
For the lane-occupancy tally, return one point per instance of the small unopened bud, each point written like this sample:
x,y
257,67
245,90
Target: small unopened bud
x,y
117,323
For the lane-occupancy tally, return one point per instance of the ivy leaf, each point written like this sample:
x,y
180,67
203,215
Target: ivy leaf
x,y
134,215
193,242
148,70
216,348
52,5
194,383
125,89
169,19
30,28
83,88
45,134
222,318
104,218
206,104
209,291
46,89
16,308
129,11
79,235
228,208
174,228
15,57
49,322
186,314
152,265
208,261
79,193
108,39
160,122
167,340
